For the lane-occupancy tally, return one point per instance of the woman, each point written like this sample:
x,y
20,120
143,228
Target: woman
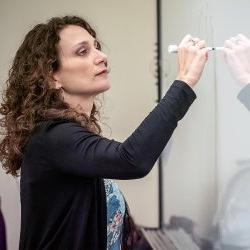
x,y
52,135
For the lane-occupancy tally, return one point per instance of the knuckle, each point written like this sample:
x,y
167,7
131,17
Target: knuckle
x,y
203,42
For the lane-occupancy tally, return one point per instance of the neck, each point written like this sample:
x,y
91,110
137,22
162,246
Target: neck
x,y
82,104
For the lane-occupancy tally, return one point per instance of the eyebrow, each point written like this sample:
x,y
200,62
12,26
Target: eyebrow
x,y
84,43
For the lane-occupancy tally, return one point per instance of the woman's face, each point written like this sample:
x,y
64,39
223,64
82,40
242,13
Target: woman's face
x,y
83,67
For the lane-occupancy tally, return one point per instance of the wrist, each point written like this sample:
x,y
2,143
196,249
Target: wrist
x,y
187,80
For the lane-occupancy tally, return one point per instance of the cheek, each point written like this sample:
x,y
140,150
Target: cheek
x,y
77,73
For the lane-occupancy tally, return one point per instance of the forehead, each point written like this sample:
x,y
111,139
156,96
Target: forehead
x,y
73,34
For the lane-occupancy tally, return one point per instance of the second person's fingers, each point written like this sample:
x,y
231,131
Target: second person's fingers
x,y
229,44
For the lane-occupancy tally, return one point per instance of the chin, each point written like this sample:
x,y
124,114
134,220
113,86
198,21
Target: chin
x,y
103,88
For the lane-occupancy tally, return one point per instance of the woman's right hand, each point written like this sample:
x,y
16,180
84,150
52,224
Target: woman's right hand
x,y
192,56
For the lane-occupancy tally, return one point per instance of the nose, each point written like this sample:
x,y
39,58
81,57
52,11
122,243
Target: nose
x,y
100,57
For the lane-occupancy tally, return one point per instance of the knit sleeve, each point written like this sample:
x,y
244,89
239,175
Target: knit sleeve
x,y
72,149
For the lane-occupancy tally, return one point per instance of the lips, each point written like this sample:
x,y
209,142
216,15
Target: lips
x,y
104,71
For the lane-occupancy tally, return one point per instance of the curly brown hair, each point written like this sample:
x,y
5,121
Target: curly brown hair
x,y
29,98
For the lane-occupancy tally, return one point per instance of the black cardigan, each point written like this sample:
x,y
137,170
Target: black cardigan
x,y
63,203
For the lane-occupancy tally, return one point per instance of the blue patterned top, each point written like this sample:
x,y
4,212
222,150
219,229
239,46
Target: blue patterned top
x,y
115,214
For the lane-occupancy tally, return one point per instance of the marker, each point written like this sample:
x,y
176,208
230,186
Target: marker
x,y
173,48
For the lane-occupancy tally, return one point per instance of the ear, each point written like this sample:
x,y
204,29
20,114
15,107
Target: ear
x,y
57,82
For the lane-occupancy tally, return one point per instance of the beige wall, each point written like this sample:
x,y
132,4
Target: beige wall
x,y
127,29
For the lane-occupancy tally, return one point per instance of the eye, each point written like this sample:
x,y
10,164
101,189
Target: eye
x,y
98,45
82,52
